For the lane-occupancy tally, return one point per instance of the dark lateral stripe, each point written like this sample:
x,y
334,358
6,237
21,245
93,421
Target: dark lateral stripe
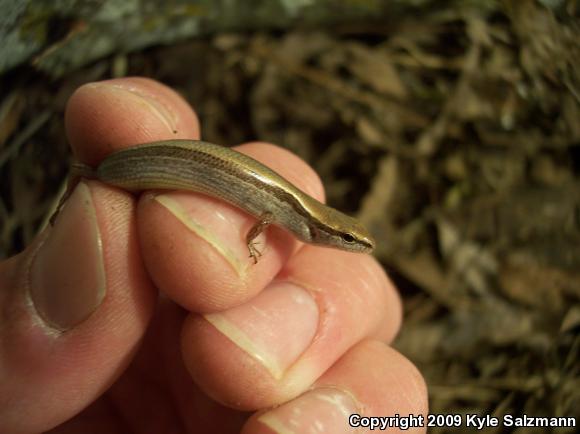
x,y
182,153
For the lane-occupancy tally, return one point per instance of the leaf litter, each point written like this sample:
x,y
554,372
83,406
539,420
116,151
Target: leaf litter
x,y
454,136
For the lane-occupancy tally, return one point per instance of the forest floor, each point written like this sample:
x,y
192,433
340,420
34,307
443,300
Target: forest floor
x,y
455,136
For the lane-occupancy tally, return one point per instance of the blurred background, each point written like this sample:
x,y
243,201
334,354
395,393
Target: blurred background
x,y
451,128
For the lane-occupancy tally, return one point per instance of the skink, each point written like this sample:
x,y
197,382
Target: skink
x,y
234,177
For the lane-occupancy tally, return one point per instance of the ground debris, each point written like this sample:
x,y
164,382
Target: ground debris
x,y
454,135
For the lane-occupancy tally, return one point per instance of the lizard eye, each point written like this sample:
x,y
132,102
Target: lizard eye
x,y
348,238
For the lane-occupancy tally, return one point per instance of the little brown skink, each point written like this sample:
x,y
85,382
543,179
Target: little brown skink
x,y
234,177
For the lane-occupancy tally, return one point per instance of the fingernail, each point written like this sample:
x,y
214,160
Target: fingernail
x,y
225,235
317,411
67,275
274,328
132,93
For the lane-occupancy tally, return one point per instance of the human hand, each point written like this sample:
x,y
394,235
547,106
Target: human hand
x,y
292,344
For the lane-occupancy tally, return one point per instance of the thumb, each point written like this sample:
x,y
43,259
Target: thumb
x,y
73,307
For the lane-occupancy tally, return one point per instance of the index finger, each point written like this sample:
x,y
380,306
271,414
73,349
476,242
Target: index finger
x,y
193,245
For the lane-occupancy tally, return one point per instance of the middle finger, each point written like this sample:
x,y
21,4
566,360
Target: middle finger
x,y
275,346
